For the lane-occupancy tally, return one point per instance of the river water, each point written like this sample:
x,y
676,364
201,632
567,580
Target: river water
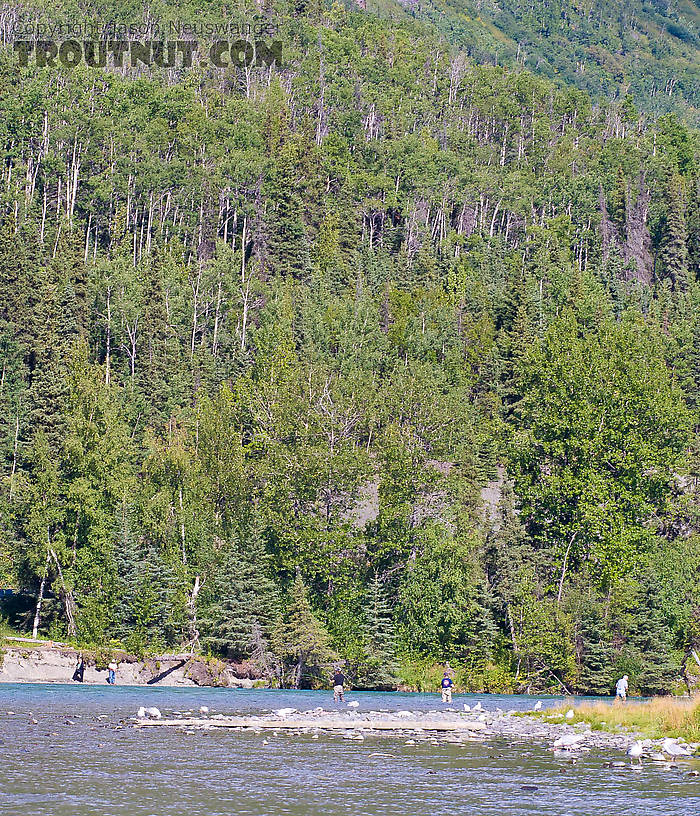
x,y
76,761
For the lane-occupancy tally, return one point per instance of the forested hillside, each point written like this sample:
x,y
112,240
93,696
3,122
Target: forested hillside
x,y
648,49
384,356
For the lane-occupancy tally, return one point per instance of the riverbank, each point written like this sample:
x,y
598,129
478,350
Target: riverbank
x,y
657,718
26,661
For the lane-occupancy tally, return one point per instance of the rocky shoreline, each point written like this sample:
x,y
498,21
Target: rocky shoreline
x,y
36,662
436,727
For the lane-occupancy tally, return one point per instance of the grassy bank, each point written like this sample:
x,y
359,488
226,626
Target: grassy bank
x,y
656,718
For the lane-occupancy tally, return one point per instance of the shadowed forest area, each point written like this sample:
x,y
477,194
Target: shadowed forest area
x,y
388,356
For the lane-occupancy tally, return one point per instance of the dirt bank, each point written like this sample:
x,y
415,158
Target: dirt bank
x,y
37,662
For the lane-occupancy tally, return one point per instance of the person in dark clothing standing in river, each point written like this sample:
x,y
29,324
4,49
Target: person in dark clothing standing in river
x,y
79,672
338,684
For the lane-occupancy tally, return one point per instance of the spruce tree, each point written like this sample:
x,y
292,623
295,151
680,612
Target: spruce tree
x,y
157,367
596,672
241,603
17,296
71,275
515,337
651,638
152,607
674,253
49,356
287,246
379,668
300,640
13,386
510,565
693,225
617,208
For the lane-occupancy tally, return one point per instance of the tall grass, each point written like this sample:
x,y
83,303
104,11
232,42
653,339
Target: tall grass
x,y
655,718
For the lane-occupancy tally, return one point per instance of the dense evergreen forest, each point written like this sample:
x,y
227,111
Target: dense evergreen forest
x,y
609,48
384,357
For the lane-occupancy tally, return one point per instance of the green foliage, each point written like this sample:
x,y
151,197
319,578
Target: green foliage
x,y
378,663
300,640
597,673
268,339
442,604
598,48
241,601
599,431
674,253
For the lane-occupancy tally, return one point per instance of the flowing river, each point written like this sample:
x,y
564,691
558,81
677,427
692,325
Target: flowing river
x,y
76,760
